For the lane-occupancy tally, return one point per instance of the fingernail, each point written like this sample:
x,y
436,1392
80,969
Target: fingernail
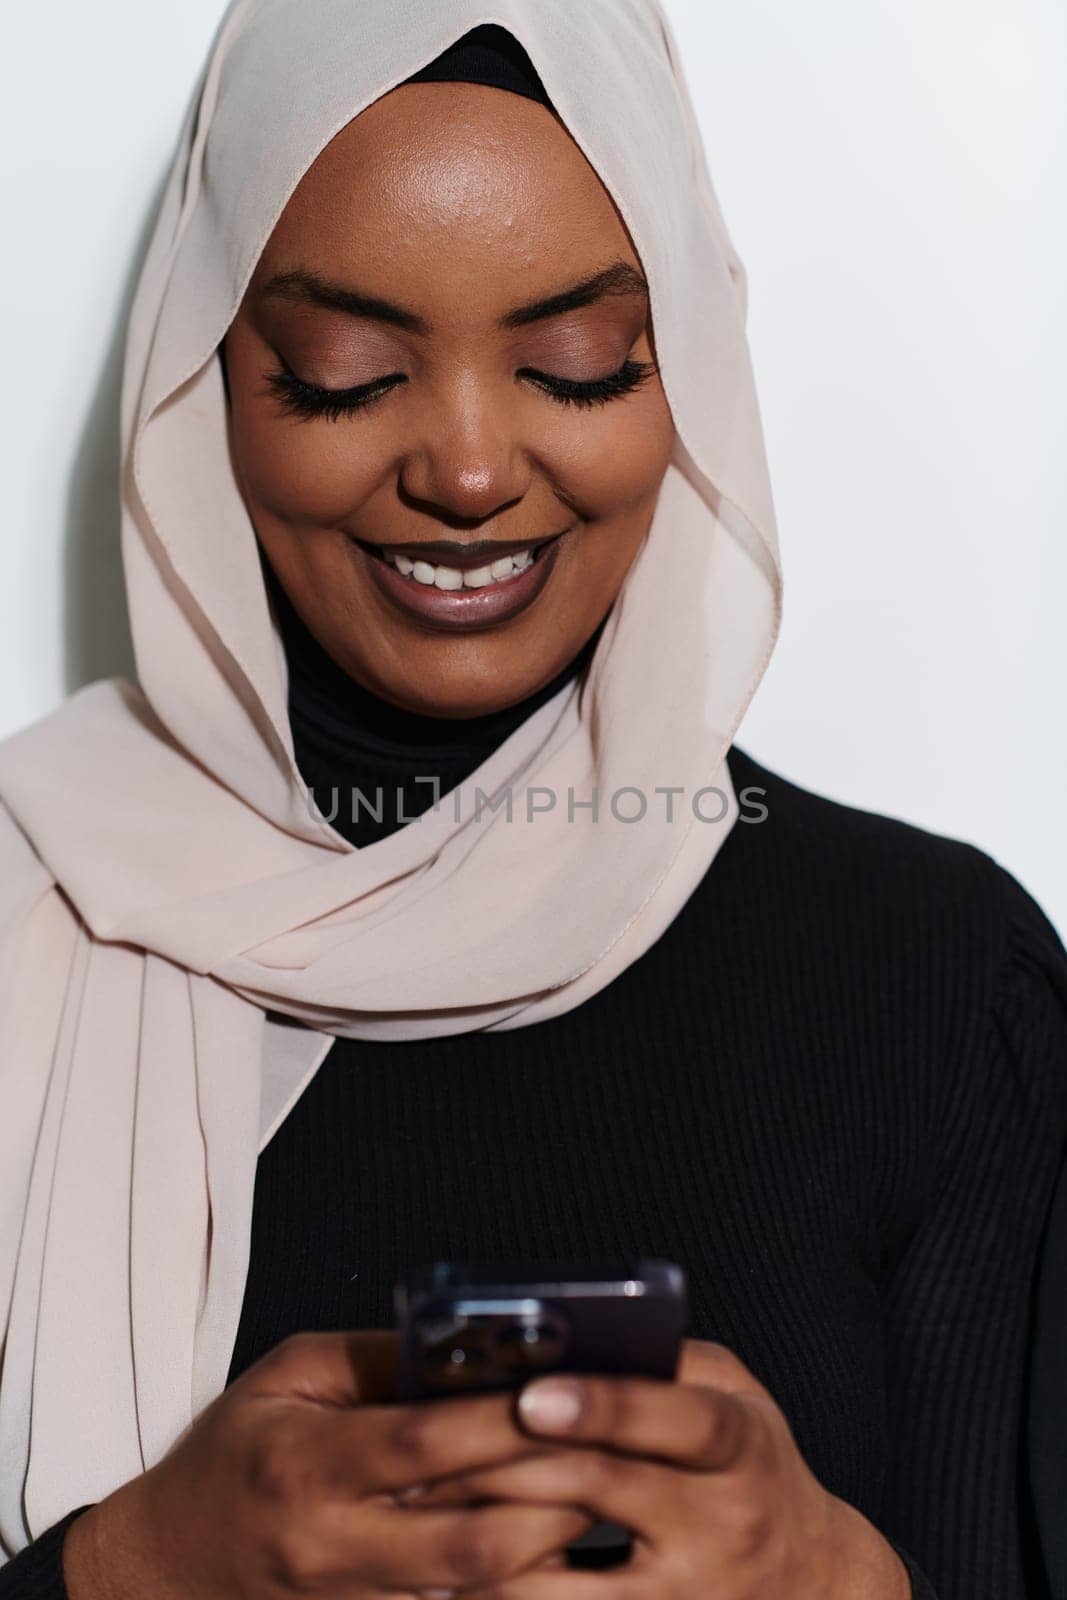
x,y
551,1404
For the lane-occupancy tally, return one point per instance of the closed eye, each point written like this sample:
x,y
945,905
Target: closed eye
x,y
302,399
595,392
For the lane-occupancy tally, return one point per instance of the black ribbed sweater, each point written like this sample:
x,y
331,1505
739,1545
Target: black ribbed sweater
x,y
835,1091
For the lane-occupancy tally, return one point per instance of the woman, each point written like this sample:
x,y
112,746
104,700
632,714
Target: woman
x,y
443,478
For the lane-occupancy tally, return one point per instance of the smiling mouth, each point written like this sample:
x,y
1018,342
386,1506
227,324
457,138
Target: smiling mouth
x,y
452,566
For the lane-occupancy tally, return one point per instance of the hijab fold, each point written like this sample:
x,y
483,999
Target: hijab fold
x,y
182,934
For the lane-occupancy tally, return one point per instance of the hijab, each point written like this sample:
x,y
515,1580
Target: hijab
x,y
182,932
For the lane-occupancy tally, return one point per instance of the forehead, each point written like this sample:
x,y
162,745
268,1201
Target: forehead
x,y
437,183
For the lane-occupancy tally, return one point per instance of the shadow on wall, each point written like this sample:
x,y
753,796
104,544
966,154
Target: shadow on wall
x,y
96,627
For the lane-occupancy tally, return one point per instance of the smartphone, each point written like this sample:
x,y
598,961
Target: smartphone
x,y
471,1329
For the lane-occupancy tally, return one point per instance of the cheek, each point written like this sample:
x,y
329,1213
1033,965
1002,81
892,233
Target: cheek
x,y
306,472
611,462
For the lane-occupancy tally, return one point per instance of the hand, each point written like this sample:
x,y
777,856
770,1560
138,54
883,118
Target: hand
x,y
706,1475
286,1485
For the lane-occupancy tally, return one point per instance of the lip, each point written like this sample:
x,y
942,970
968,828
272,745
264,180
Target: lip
x,y
464,609
466,557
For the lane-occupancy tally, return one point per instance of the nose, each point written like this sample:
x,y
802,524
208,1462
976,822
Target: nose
x,y
468,465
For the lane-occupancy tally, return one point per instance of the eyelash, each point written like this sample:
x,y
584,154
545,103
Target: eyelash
x,y
301,399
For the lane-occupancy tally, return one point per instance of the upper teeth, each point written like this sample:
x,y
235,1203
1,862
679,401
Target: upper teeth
x,y
443,577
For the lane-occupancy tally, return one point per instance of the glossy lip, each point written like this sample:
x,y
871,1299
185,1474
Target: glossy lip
x,y
465,609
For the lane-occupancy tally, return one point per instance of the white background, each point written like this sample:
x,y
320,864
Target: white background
x,y
893,174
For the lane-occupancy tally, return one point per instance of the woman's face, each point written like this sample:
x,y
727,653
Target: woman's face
x,y
445,357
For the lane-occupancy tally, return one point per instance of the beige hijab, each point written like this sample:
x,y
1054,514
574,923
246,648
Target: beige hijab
x,y
170,903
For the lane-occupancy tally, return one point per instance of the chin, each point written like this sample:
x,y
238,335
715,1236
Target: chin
x,y
462,676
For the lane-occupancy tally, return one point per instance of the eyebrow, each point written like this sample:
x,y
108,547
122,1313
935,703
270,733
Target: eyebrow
x,y
307,288
617,279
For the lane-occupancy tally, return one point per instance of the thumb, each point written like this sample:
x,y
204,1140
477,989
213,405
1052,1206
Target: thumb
x,y
343,1369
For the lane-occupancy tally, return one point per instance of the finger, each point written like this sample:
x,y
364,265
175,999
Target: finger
x,y
704,1429
556,1562
383,1449
464,1488
714,1366
334,1368
367,1443
404,1550
640,1495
